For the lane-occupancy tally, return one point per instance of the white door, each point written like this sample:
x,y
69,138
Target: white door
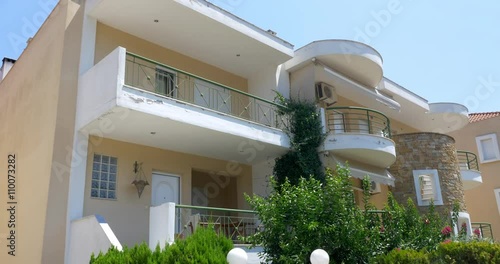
x,y
165,189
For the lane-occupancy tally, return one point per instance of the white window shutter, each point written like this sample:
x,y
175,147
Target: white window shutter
x,y
426,187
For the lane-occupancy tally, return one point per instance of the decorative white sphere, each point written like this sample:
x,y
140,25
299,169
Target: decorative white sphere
x,y
319,256
237,256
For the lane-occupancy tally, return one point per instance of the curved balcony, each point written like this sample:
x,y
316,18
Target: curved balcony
x,y
360,134
469,168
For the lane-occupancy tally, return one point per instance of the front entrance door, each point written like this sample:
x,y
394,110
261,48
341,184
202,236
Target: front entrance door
x,y
165,189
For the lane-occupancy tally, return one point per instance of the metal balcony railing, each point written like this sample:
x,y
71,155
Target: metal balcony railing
x,y
350,119
467,160
169,82
484,228
235,224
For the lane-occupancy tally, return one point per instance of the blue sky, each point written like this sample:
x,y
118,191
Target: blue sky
x,y
442,50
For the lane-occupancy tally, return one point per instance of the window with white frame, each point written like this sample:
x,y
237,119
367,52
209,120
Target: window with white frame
x,y
487,146
104,170
497,197
427,187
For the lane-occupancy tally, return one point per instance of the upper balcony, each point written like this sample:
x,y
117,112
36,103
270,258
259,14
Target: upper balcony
x,y
134,99
359,134
469,168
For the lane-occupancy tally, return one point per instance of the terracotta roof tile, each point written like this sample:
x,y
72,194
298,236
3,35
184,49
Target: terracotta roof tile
x,y
476,117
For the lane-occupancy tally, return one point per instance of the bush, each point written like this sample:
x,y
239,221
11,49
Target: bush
x,y
299,219
402,256
204,246
471,252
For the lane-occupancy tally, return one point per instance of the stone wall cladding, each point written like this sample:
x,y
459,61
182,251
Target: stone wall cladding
x,y
420,151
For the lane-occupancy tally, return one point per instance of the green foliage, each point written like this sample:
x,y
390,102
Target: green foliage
x,y
204,246
301,218
406,228
305,131
402,256
471,252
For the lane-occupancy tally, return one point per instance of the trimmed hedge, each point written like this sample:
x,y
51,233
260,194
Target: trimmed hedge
x,y
469,252
204,246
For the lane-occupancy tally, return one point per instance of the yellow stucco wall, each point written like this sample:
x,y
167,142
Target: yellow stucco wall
x,y
481,202
128,215
108,39
37,115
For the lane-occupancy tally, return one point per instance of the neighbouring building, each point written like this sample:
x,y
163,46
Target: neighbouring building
x,y
483,198
118,110
7,64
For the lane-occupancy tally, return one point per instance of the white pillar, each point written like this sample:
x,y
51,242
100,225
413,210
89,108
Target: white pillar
x,y
161,225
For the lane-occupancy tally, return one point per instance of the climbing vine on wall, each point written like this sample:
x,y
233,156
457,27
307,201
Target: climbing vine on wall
x,y
305,131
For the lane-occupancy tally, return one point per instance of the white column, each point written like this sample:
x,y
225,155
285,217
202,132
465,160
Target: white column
x,y
161,225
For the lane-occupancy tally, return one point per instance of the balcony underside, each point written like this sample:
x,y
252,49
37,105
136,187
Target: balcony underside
x,y
197,29
365,148
471,179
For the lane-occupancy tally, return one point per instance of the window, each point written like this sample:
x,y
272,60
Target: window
x,y
487,147
497,197
427,187
166,82
104,177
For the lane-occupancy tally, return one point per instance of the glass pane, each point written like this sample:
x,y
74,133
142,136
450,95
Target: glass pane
x,y
95,175
105,159
104,185
112,186
104,167
102,194
113,160
97,166
111,195
97,158
95,184
104,176
112,177
112,168
94,193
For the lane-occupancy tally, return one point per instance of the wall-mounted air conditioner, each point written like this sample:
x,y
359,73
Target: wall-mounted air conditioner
x,y
375,187
326,93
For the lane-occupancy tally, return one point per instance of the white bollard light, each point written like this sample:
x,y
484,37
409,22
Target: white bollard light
x,y
237,256
319,256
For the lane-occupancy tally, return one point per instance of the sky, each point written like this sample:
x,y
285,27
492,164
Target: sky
x,y
444,51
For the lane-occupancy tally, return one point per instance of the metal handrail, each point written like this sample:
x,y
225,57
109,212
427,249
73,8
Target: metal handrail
x,y
485,229
467,160
165,80
235,224
351,119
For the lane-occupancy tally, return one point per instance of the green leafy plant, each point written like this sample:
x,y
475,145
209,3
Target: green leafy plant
x,y
402,256
304,129
204,246
301,218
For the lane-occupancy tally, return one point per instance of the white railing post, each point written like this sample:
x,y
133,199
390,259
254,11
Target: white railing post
x,y
319,256
161,225
237,256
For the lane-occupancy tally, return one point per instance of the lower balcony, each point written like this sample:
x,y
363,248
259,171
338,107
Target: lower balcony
x,y
359,134
469,169
134,99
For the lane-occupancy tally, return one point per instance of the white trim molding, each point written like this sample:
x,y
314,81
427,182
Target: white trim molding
x,y
497,198
434,185
489,139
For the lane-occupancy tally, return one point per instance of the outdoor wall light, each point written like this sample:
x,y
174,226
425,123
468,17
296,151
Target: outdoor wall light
x,y
140,180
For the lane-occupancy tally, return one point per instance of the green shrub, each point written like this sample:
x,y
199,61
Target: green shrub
x,y
204,246
403,256
470,252
301,218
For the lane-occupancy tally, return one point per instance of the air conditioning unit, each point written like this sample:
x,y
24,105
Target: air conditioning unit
x,y
326,93
375,187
